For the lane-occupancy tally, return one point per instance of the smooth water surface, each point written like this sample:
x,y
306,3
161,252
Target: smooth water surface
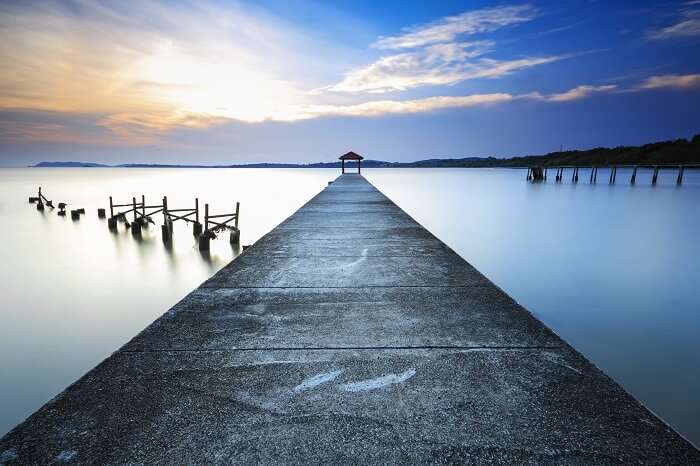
x,y
614,269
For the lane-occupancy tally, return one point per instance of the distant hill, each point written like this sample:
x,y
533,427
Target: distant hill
x,y
69,165
666,152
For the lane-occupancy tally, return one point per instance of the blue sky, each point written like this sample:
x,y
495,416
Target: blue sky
x,y
278,81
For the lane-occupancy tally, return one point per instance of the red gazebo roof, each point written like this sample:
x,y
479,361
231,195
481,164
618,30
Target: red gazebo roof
x,y
351,156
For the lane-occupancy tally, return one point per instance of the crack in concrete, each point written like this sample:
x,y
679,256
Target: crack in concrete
x,y
344,348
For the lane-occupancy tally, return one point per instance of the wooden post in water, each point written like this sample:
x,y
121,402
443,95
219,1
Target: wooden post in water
x,y
595,175
144,222
196,227
679,179
614,174
135,225
634,175
40,202
166,228
204,237
655,176
111,221
590,179
235,237
545,173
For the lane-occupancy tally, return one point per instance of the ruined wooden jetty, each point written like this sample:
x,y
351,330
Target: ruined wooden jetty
x,y
348,334
142,214
539,173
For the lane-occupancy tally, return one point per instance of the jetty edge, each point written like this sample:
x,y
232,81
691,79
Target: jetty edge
x,y
348,334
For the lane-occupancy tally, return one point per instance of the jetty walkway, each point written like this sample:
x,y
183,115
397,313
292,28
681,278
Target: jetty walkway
x,y
348,334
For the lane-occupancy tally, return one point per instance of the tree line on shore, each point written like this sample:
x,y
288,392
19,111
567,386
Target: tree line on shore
x,y
678,151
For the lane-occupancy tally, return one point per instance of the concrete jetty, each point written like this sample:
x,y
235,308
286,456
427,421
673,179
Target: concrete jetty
x,y
348,334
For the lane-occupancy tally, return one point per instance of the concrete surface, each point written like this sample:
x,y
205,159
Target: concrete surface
x,y
349,334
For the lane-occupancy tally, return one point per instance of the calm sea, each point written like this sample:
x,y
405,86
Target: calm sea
x,y
614,270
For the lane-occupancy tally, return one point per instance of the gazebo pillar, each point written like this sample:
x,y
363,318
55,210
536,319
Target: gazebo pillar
x,y
342,165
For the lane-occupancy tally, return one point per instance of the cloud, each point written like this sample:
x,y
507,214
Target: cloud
x,y
449,28
437,54
29,126
393,107
688,26
449,65
579,92
677,81
150,66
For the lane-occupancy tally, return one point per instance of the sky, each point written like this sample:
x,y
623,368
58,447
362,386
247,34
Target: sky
x,y
212,82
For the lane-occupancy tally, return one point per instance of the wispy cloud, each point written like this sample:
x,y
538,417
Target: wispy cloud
x,y
449,28
580,92
392,107
678,81
438,53
687,26
442,64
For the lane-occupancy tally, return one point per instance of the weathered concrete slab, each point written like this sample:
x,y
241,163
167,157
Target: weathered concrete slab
x,y
345,220
401,317
347,335
281,245
347,407
364,271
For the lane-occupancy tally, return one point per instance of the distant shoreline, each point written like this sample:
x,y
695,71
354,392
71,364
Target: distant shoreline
x,y
679,151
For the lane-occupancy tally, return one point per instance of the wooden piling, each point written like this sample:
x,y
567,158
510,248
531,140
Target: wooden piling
x,y
595,175
111,207
634,175
101,213
679,179
234,237
655,176
238,205
203,241
196,227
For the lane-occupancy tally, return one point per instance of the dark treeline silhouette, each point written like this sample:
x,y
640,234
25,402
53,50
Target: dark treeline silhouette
x,y
679,151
